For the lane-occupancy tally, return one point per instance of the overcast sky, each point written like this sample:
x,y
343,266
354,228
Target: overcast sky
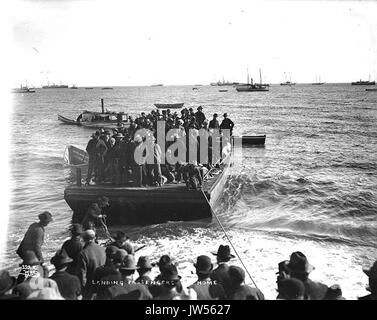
x,y
143,42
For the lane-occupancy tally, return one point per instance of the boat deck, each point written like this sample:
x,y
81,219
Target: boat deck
x,y
148,205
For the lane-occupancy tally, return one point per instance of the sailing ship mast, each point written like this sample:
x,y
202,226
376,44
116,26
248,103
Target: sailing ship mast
x,y
260,76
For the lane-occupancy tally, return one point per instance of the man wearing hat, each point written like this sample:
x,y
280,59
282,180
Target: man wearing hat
x,y
69,285
91,149
34,236
127,285
94,214
73,247
90,220
372,278
109,274
115,132
214,123
299,267
220,274
240,291
121,242
109,267
112,159
7,283
200,116
144,269
227,124
204,286
101,150
126,147
91,257
164,261
171,287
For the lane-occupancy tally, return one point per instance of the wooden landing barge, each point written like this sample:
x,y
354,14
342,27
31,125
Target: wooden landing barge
x,y
150,205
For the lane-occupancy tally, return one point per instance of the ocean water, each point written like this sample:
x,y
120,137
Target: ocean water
x,y
313,187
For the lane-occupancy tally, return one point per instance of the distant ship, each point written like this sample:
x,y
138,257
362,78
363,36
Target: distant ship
x,y
287,82
107,88
363,83
22,89
318,81
223,83
252,87
157,85
55,86
74,87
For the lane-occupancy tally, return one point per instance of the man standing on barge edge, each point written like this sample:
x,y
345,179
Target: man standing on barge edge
x,y
34,237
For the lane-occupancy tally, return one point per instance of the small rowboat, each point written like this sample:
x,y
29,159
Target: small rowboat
x,y
371,89
169,105
223,90
252,140
75,157
68,121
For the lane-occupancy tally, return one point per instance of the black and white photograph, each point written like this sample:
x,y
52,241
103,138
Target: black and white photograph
x,y
189,150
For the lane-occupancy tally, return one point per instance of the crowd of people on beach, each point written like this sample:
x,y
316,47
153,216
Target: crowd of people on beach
x,y
112,153
87,269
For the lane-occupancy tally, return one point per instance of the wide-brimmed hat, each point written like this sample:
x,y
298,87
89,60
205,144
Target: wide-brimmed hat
x,y
119,136
76,229
371,272
45,216
225,114
223,252
145,263
164,261
120,236
203,265
7,282
236,274
200,108
61,258
129,263
30,258
170,273
298,263
215,115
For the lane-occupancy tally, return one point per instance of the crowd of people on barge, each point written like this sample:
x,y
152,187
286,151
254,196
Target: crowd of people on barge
x,y
111,153
87,269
